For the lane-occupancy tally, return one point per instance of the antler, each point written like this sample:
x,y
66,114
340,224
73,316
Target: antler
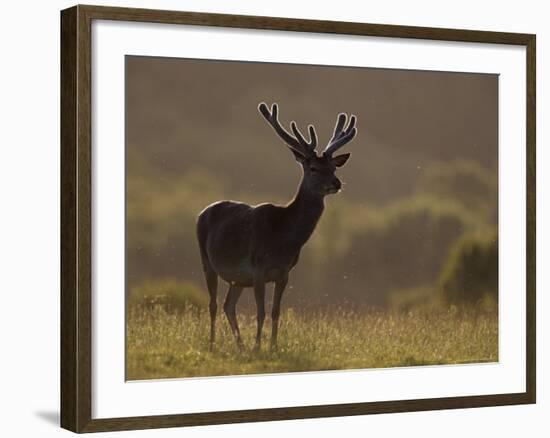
x,y
341,136
297,142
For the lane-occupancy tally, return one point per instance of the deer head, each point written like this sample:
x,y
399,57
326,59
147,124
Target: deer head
x,y
319,170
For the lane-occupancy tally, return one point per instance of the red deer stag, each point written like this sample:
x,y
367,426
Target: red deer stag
x,y
250,246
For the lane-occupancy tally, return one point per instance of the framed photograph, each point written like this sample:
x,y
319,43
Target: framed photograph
x,y
268,218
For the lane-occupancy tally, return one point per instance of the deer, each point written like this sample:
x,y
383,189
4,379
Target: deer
x,y
250,246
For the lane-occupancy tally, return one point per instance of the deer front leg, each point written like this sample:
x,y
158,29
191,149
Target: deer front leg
x,y
259,295
280,286
229,308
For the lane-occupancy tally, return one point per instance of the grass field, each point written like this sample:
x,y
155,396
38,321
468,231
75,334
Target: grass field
x,y
161,344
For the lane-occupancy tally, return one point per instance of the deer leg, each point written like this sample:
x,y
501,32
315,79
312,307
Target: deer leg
x,y
280,286
259,295
229,307
212,284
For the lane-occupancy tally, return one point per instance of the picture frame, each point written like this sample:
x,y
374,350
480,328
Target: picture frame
x,y
77,172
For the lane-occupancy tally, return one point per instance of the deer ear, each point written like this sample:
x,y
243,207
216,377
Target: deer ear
x,y
340,160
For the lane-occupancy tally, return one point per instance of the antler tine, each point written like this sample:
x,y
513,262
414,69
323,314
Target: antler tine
x,y
341,136
342,118
313,136
297,143
312,143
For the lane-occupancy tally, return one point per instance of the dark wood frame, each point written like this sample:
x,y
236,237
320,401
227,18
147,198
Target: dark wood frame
x,y
76,308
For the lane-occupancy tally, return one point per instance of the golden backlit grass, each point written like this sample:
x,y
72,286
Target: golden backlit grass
x,y
162,344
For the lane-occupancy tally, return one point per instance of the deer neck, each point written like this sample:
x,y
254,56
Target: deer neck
x,y
304,211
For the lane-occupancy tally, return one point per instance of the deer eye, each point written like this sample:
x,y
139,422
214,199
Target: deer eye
x,y
313,169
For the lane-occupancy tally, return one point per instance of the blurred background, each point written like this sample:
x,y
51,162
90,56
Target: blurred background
x,y
416,223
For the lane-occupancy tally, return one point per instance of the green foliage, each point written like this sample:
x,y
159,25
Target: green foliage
x,y
364,253
470,274
169,294
466,182
160,211
169,345
415,299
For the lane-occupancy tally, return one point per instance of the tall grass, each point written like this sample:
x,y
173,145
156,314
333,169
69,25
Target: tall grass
x,y
163,344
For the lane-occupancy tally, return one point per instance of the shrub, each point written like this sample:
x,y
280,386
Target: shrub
x,y
470,275
171,294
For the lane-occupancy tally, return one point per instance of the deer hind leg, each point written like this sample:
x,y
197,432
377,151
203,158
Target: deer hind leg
x,y
280,286
212,284
230,307
259,295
